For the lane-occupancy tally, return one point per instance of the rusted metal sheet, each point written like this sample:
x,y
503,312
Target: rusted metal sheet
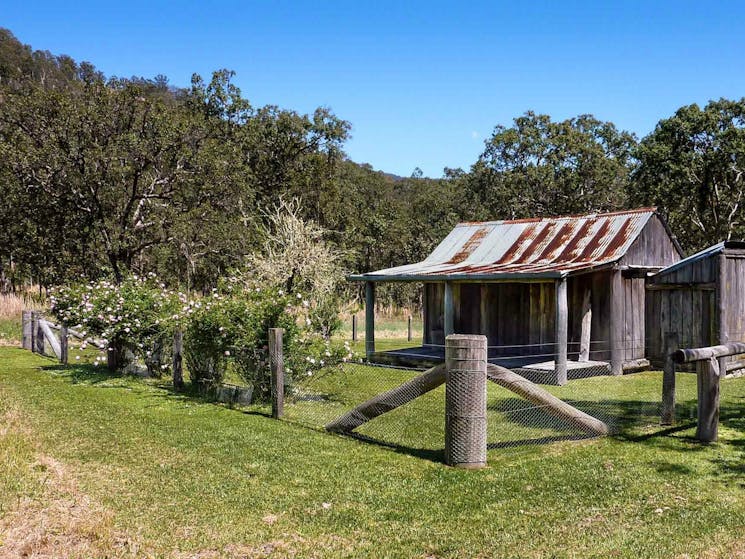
x,y
526,248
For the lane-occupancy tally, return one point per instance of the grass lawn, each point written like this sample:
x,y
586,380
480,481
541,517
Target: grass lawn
x,y
97,466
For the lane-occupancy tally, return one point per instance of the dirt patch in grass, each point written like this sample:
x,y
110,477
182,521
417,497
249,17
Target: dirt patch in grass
x,y
58,520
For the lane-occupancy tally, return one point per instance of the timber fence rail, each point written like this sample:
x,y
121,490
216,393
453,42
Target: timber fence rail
x,y
407,407
712,364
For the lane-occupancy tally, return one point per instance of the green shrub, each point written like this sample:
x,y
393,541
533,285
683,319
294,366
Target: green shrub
x,y
137,316
232,325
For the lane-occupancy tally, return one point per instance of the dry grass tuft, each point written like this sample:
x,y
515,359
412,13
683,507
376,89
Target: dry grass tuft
x,y
61,521
11,305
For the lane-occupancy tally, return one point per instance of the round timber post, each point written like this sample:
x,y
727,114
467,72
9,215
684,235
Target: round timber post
x,y
27,336
465,401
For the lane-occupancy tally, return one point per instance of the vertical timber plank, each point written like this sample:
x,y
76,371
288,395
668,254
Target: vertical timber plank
x,y
449,309
616,333
562,328
586,328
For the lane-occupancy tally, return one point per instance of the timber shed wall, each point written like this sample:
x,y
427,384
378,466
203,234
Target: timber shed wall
x,y
702,301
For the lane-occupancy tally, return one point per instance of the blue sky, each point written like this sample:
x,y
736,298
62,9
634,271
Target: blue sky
x,y
423,83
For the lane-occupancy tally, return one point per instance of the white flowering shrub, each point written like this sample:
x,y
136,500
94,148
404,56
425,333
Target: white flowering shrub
x,y
137,315
232,325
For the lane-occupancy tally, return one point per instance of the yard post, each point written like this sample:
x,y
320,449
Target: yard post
x,y
707,371
27,336
63,344
668,380
409,336
38,334
369,319
617,350
449,310
354,327
178,360
465,401
277,366
562,329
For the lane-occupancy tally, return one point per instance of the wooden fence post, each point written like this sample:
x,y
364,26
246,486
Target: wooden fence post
x,y
26,332
465,401
369,319
409,336
178,349
63,345
708,400
38,334
277,366
668,380
562,329
354,327
616,336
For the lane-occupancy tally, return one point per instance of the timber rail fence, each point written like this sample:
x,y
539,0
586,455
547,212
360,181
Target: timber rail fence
x,y
712,364
469,395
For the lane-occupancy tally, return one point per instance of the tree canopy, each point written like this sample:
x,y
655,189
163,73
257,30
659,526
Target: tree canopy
x,y
110,176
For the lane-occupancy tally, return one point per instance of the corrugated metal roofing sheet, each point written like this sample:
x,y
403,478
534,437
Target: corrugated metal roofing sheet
x,y
525,248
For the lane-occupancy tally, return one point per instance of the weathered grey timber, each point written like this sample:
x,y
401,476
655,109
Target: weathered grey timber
x,y
369,318
277,368
389,400
26,332
465,401
36,320
701,353
707,429
449,310
586,328
64,339
702,298
550,403
617,324
51,339
499,279
668,380
178,360
562,331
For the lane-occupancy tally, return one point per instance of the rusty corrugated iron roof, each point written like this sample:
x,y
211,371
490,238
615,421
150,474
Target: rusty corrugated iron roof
x,y
525,248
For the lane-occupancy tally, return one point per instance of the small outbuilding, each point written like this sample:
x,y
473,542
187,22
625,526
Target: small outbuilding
x,y
554,296
700,300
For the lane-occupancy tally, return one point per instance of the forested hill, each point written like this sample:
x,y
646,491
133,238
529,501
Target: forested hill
x,y
111,175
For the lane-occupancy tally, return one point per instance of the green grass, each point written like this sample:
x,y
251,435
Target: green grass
x,y
10,331
170,474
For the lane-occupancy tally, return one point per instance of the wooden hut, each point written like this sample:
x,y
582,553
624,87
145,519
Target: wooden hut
x,y
701,300
552,295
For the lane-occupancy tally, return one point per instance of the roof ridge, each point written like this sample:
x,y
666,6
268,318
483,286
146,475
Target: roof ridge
x,y
648,209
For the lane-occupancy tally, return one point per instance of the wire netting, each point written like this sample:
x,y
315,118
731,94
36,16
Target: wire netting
x,y
627,403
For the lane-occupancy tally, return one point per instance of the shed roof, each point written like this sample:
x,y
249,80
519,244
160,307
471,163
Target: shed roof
x,y
706,253
525,249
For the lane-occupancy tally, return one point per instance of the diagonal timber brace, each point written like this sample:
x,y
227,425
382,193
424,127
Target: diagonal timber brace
x,y
551,404
389,400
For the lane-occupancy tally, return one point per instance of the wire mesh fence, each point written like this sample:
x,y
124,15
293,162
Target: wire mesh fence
x,y
626,403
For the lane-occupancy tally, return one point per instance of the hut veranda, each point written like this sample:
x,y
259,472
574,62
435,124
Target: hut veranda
x,y
557,298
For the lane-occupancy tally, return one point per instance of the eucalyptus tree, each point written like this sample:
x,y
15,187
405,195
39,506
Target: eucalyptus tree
x,y
542,167
693,167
